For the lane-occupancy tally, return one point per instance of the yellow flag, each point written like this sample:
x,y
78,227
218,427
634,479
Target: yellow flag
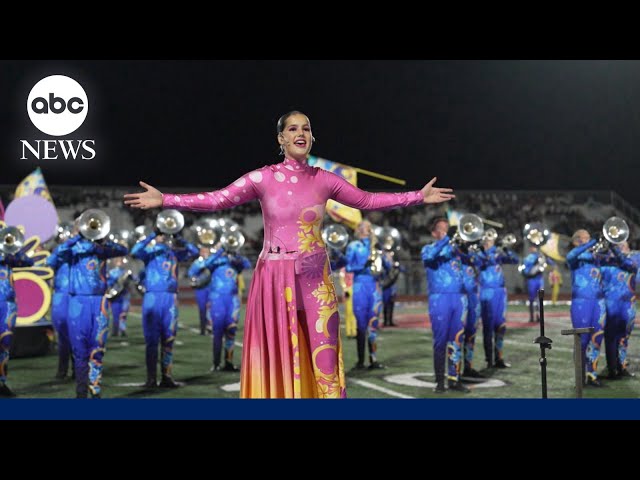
x,y
340,213
552,248
33,184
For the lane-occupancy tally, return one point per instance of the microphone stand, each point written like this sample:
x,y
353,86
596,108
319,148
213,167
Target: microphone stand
x,y
544,343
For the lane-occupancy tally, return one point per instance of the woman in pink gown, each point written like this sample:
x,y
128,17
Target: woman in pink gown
x,y
292,345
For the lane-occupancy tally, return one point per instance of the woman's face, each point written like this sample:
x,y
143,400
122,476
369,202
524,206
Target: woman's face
x,y
296,137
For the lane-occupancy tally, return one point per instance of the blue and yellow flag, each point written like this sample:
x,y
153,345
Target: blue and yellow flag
x,y
340,213
33,184
453,216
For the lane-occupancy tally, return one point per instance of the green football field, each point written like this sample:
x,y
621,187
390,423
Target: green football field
x,y
406,351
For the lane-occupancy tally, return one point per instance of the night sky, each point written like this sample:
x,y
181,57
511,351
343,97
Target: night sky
x,y
474,124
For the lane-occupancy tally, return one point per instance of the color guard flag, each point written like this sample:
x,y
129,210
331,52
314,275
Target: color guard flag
x,y
33,184
552,248
340,213
453,216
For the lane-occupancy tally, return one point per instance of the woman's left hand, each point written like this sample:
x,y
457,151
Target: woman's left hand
x,y
433,194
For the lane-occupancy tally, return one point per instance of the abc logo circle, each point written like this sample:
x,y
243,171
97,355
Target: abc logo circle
x,y
57,105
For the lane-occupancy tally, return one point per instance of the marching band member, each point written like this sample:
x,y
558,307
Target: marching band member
x,y
447,305
88,307
389,287
587,300
493,299
8,307
367,296
532,269
619,286
224,303
121,302
470,262
555,280
160,302
202,289
60,309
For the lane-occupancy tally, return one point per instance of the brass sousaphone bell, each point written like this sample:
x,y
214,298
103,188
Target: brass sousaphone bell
x,y
536,233
208,232
170,221
11,240
232,240
388,237
335,236
94,224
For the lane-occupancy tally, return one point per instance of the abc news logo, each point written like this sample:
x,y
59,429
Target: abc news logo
x,y
57,105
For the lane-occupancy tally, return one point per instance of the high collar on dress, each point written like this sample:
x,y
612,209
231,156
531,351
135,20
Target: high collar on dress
x,y
294,164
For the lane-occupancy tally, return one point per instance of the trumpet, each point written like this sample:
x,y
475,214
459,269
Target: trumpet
x,y
614,231
11,240
508,241
94,224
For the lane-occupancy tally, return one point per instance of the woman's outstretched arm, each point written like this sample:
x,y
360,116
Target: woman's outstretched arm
x,y
241,191
343,192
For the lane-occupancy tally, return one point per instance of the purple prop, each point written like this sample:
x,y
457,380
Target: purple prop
x,y
35,213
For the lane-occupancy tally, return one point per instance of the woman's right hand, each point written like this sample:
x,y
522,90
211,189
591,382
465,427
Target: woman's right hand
x,y
151,198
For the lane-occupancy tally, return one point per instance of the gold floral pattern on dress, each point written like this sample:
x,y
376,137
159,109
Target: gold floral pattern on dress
x,y
309,235
325,294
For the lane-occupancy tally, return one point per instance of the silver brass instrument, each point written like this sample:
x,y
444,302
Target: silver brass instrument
x,y
232,240
11,240
470,229
201,280
376,265
63,232
335,236
490,235
141,232
120,285
614,231
123,237
388,237
536,233
170,221
508,241
228,224
540,266
94,224
207,232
